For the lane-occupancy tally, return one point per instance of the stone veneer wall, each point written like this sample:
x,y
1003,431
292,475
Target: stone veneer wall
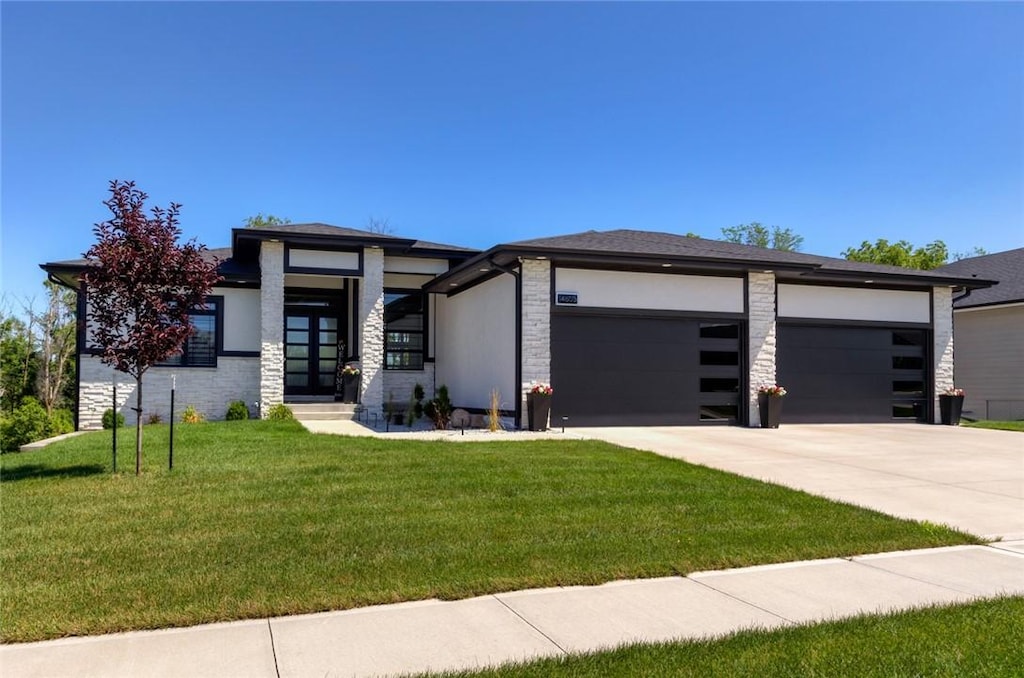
x,y
271,324
761,337
209,389
400,383
535,352
942,336
371,322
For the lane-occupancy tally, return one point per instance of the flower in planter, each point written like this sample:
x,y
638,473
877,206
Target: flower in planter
x,y
350,371
954,392
773,390
541,388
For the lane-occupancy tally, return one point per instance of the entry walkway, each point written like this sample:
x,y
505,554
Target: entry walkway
x,y
435,635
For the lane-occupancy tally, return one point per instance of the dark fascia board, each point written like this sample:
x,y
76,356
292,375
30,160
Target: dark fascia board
x,y
391,245
69,275
467,271
503,255
881,280
991,304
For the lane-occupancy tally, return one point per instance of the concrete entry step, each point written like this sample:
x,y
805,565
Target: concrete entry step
x,y
322,411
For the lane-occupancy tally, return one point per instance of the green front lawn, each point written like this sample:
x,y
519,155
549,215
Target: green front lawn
x,y
999,425
978,639
264,518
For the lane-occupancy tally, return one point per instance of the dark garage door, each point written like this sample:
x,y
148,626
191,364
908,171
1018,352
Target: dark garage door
x,y
852,374
642,371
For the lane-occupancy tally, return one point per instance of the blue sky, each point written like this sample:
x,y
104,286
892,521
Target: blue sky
x,y
483,123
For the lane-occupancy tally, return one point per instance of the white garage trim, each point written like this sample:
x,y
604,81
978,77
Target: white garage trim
x,y
850,303
654,291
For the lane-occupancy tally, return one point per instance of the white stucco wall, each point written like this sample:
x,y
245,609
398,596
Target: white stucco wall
x,y
241,318
406,281
852,303
619,289
475,341
209,389
434,267
301,258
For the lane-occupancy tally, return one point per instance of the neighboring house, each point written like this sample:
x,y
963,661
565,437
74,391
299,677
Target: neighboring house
x,y
989,328
631,328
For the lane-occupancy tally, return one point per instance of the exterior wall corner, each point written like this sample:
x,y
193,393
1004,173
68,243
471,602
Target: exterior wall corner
x,y
535,350
942,346
371,327
761,338
271,325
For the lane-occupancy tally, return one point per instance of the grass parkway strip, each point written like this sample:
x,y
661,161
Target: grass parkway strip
x,y
263,519
978,639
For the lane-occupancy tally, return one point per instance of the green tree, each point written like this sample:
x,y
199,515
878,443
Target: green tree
x,y
263,221
759,235
18,364
56,345
901,253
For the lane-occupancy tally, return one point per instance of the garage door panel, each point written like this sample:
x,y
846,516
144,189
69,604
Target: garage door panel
x,y
848,374
626,370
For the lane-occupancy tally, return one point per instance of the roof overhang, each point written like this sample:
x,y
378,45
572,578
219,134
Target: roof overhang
x,y
501,257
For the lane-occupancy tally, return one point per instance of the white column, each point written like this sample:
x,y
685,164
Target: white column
x,y
761,337
942,349
371,327
535,352
271,325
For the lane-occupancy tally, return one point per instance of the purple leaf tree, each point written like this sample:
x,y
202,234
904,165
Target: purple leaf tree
x,y
141,284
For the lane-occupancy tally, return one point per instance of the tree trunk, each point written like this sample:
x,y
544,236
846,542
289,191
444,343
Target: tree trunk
x,y
138,425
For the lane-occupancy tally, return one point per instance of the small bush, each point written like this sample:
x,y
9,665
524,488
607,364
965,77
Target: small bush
x,y
28,422
192,416
237,411
61,422
280,412
108,419
154,418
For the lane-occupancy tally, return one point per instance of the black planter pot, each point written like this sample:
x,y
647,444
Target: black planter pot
x,y
538,407
770,409
950,408
350,388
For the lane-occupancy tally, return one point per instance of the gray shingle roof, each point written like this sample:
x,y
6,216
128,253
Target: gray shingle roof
x,y
648,243
1006,267
321,229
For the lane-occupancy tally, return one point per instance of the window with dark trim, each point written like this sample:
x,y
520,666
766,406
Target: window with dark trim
x,y
200,349
404,322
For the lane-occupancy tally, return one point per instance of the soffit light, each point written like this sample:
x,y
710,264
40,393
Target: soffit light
x,y
666,265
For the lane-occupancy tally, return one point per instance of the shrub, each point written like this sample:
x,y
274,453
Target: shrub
x,y
192,416
237,411
108,419
61,422
28,422
280,412
439,409
154,418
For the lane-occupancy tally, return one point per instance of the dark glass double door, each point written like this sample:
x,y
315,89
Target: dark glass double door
x,y
310,351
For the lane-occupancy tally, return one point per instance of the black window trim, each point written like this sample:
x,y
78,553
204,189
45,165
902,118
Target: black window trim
x,y
214,307
424,331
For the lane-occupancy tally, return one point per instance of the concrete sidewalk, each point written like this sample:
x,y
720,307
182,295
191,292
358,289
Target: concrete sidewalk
x,y
435,635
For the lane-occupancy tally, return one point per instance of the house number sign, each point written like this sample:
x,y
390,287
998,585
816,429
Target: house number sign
x,y
566,298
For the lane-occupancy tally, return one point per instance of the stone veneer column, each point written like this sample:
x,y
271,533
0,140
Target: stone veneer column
x,y
942,336
371,326
271,325
535,351
761,337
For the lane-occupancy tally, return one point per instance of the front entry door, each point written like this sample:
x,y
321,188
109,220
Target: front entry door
x,y
310,352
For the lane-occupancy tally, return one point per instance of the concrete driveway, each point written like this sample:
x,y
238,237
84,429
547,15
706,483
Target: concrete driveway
x,y
972,479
